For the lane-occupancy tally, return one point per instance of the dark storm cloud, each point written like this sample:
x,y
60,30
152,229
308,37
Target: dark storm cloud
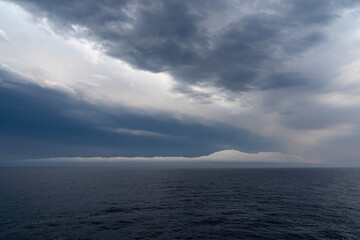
x,y
171,36
49,123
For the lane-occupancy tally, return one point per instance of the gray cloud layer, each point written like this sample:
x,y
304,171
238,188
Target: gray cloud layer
x,y
297,60
45,122
182,37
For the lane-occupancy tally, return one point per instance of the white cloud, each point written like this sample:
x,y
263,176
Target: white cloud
x,y
225,156
139,132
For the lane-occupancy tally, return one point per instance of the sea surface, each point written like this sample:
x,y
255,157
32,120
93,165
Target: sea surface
x,y
115,203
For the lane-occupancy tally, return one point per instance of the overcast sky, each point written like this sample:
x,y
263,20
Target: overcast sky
x,y
237,80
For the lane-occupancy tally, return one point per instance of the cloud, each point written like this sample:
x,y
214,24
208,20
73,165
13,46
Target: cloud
x,y
225,156
254,76
139,132
3,36
49,122
247,51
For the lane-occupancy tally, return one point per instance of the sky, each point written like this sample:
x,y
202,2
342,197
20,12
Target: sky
x,y
232,81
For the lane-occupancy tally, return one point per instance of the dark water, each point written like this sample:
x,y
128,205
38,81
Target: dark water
x,y
180,204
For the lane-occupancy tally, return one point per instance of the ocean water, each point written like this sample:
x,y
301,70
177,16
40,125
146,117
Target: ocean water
x,y
94,203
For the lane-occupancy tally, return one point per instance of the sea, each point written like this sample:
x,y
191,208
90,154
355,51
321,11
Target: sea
x,y
120,203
